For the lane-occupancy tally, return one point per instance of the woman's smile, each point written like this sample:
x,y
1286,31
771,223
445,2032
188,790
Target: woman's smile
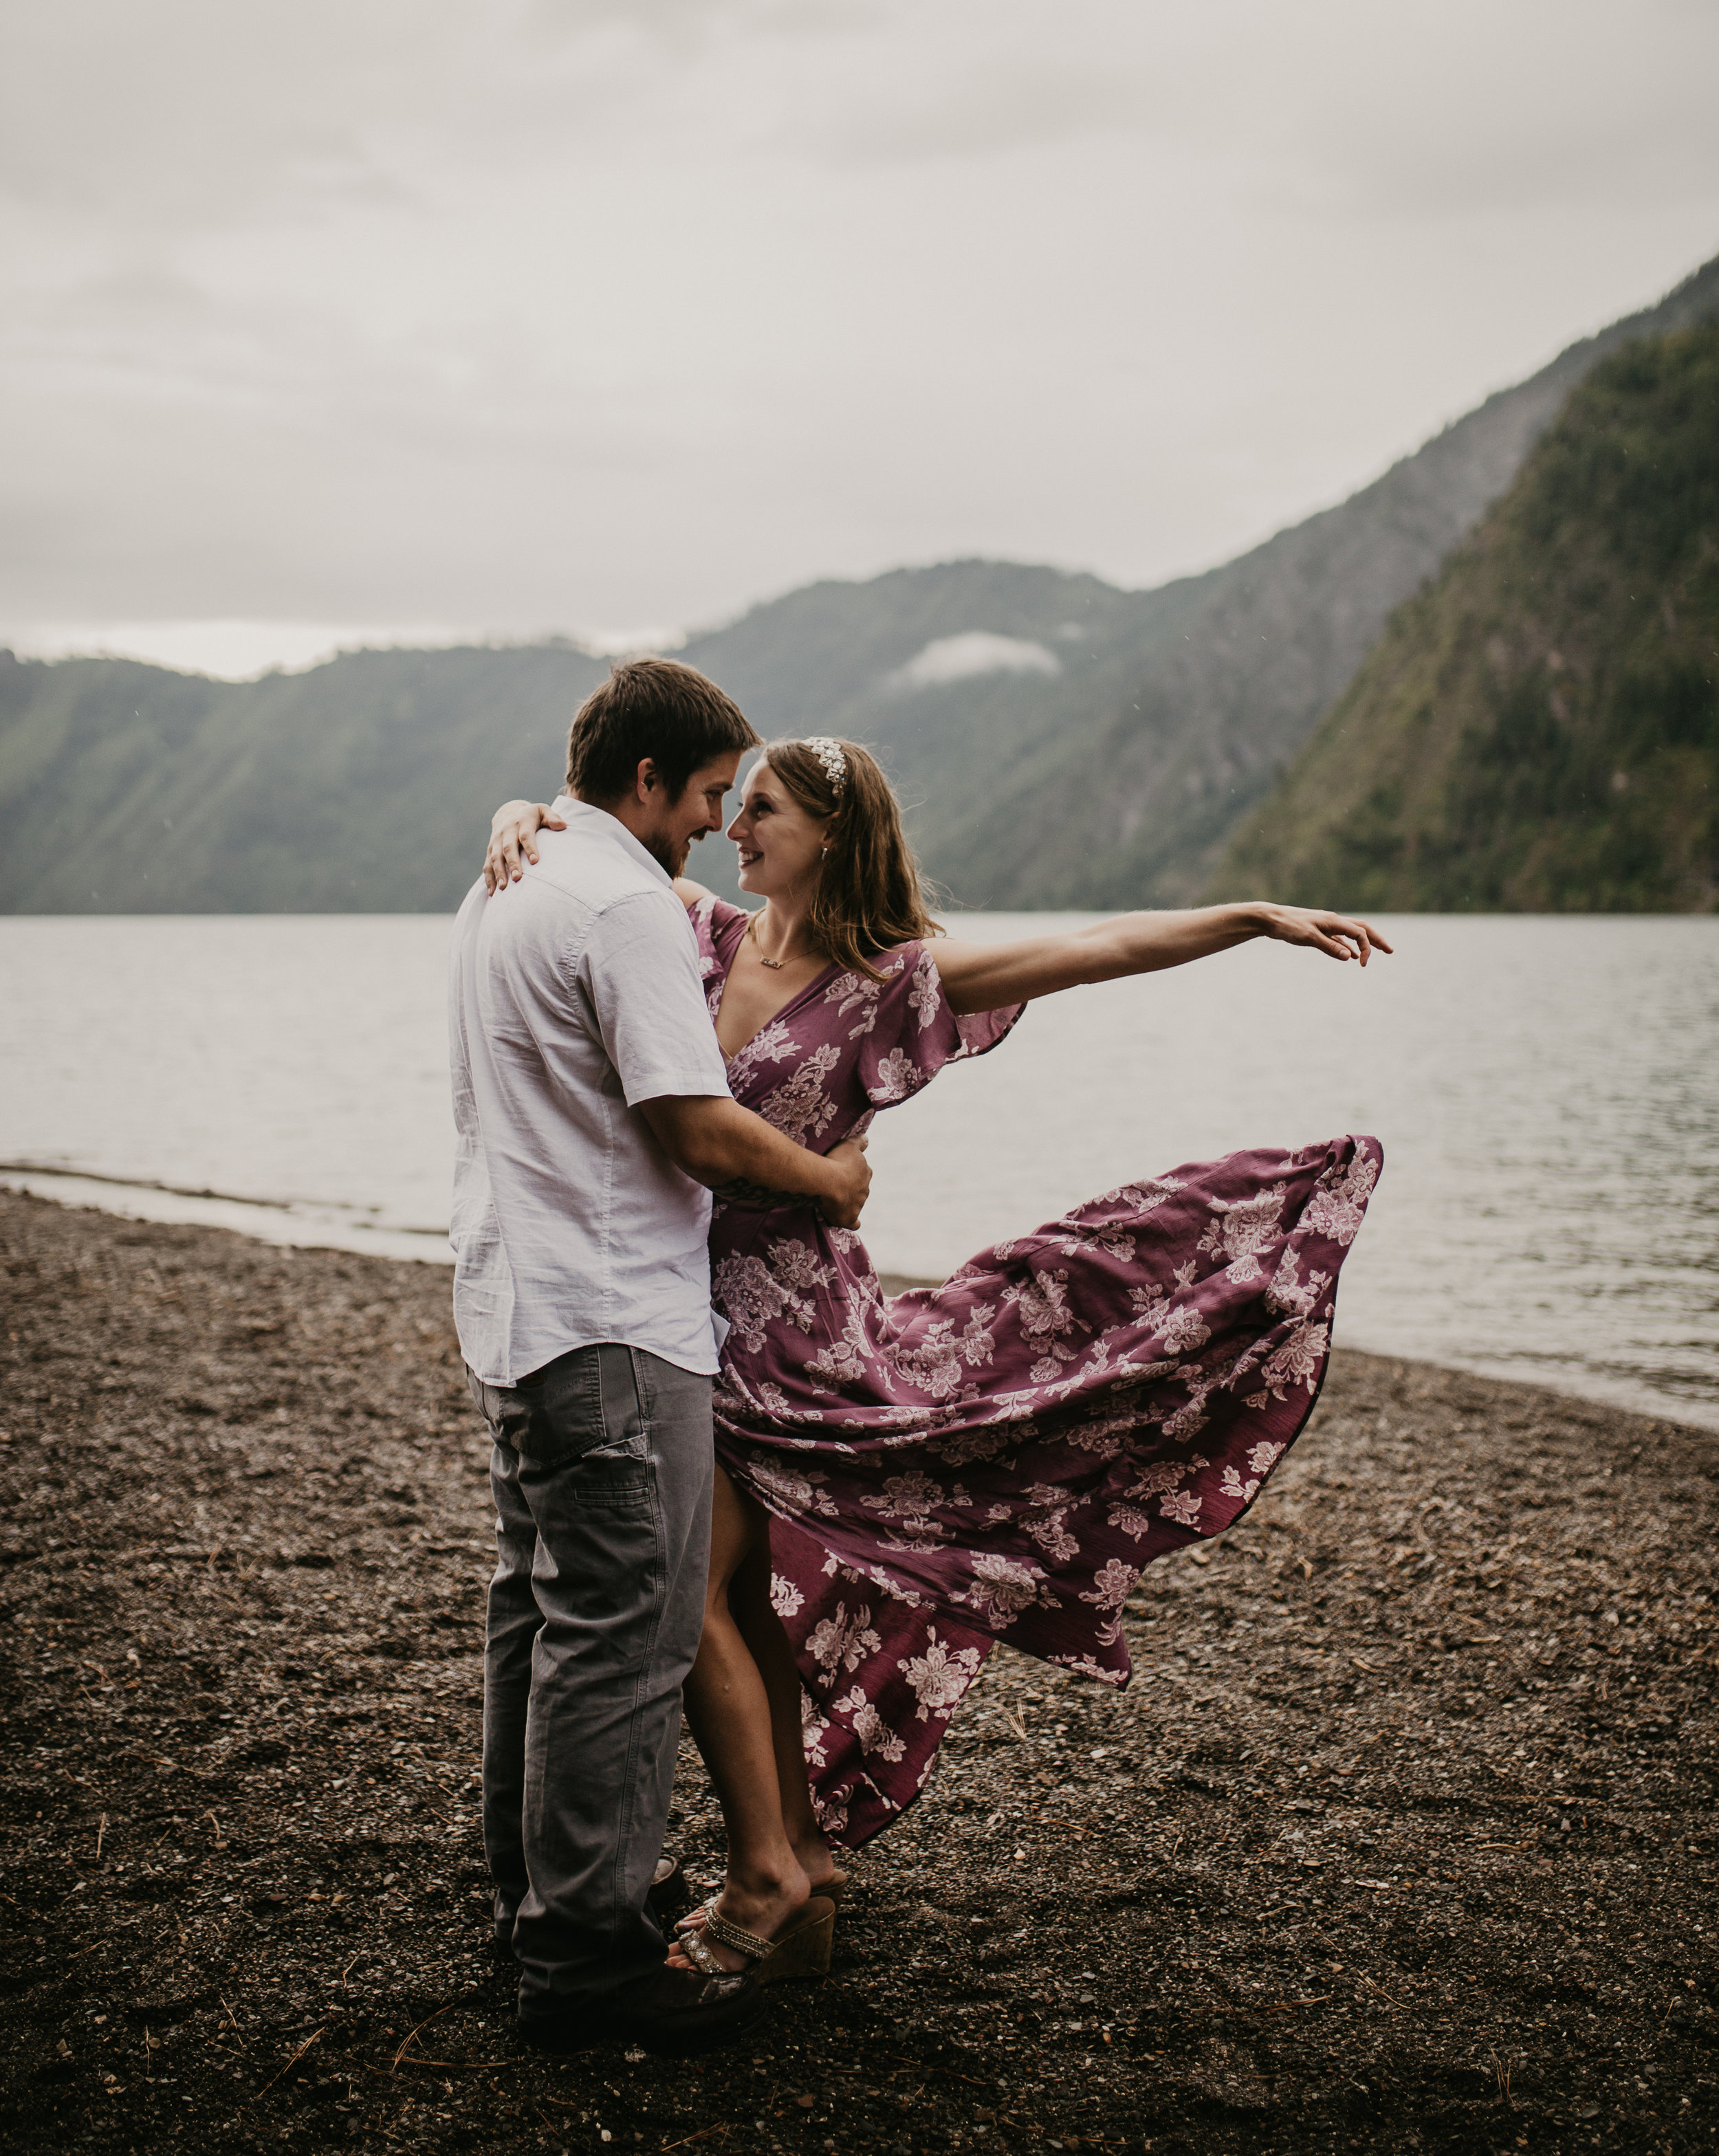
x,y
791,857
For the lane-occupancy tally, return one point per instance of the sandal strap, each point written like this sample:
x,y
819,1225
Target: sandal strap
x,y
705,1909
717,1926
692,1945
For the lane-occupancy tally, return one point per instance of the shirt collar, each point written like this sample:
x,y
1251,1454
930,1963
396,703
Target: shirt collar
x,y
598,823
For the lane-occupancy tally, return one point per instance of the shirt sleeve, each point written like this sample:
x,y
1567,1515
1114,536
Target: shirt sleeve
x,y
913,1032
640,968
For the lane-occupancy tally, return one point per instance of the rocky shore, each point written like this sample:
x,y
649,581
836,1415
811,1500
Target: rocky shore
x,y
1403,1837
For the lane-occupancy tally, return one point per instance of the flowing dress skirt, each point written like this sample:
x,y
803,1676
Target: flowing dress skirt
x,y
1001,1456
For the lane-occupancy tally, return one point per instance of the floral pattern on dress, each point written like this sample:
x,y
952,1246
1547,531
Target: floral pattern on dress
x,y
1002,1456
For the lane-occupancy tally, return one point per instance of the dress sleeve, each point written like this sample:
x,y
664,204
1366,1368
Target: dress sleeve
x,y
909,1031
717,928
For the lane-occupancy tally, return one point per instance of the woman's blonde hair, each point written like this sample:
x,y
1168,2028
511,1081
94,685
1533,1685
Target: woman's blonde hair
x,y
868,897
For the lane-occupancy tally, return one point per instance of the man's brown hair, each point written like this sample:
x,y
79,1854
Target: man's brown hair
x,y
655,708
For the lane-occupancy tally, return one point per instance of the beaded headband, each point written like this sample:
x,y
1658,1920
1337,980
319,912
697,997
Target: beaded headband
x,y
828,753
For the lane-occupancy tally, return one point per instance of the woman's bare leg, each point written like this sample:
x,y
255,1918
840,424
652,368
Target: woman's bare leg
x,y
762,1630
743,1703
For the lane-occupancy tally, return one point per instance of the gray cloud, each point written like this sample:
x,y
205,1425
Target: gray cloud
x,y
561,312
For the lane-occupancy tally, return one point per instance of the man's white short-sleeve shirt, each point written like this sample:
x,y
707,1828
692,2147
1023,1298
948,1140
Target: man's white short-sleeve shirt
x,y
574,994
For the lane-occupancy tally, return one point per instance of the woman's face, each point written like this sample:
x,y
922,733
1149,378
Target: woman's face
x,y
781,844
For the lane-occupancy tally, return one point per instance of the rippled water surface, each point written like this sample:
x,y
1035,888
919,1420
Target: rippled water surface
x,y
1548,1092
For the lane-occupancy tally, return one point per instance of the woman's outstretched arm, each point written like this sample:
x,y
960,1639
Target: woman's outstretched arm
x,y
981,977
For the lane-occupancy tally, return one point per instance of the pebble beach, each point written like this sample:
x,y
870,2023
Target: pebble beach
x,y
1401,1836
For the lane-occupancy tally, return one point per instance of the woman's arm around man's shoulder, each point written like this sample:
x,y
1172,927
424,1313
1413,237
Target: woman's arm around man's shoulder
x,y
513,831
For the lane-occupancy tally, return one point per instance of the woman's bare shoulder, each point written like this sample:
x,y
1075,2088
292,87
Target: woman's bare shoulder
x,y
690,894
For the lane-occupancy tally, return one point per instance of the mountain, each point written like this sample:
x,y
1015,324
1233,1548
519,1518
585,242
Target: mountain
x,y
356,788
1538,730
1116,779
1228,673
1060,742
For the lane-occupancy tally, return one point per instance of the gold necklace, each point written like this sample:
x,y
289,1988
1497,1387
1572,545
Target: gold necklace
x,y
775,965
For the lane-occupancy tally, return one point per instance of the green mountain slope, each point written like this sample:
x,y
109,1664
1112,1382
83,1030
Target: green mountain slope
x,y
1118,781
353,789
1538,730
1109,767
1130,801
831,659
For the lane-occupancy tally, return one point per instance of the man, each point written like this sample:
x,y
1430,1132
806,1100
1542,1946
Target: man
x,y
593,1119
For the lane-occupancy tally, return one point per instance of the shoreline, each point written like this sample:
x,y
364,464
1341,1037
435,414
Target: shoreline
x,y
305,1225
1400,1838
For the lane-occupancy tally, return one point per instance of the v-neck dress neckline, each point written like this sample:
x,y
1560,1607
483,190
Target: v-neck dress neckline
x,y
775,1018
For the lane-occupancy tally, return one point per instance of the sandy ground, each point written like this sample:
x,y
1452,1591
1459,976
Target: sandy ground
x,y
1403,1837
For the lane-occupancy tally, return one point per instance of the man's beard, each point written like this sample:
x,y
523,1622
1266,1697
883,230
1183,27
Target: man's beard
x,y
670,853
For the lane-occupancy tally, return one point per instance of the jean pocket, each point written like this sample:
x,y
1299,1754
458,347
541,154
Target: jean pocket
x,y
616,1469
608,1479
583,1425
555,1417
633,1448
592,1470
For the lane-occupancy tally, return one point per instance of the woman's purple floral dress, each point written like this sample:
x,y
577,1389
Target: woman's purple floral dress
x,y
997,1458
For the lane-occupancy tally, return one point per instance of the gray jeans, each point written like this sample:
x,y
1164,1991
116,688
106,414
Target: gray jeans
x,y
601,1471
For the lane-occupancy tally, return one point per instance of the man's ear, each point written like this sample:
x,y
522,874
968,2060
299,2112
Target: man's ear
x,y
646,780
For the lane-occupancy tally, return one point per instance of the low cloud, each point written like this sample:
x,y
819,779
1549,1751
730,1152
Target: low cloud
x,y
555,313
979,651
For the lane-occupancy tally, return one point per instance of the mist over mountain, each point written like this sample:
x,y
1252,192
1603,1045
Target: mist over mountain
x,y
1060,742
1539,729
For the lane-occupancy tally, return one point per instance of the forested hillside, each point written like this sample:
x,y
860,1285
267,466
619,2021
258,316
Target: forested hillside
x,y
1118,780
353,789
1060,742
1539,731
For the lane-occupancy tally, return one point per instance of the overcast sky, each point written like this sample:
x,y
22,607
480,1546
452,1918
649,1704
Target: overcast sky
x,y
343,319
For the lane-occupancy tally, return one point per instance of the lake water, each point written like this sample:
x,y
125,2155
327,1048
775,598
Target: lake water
x,y
1546,1090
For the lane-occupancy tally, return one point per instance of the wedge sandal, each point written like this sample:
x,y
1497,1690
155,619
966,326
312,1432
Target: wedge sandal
x,y
802,1948
831,1890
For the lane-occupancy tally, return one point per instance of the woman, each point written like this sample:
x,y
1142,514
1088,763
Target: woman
x,y
905,1480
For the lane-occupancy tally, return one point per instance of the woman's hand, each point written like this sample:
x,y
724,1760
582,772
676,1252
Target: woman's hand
x,y
511,830
1334,933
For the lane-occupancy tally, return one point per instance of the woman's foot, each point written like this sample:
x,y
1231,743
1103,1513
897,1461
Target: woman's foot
x,y
818,1861
814,1857
762,1908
